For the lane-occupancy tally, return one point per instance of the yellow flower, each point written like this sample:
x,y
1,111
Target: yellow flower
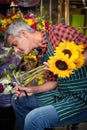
x,y
15,16
41,80
9,21
43,22
29,21
80,48
40,23
3,22
40,27
69,48
80,61
32,56
61,65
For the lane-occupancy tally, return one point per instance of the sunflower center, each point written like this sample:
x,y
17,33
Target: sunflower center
x,y
66,51
61,65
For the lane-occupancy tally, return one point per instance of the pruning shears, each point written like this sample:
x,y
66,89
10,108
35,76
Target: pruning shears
x,y
19,84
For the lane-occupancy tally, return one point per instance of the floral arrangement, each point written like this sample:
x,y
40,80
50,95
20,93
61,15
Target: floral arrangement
x,y
27,77
29,61
66,59
37,23
4,55
8,59
21,66
28,72
8,63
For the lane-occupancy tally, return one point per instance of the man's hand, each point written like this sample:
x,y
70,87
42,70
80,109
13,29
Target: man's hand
x,y
46,65
22,91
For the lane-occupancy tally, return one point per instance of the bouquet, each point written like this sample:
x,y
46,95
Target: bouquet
x,y
37,23
9,62
6,92
27,77
29,61
66,59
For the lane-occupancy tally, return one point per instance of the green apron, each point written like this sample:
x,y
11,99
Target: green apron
x,y
70,97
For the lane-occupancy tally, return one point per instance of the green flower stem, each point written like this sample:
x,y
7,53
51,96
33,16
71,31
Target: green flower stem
x,y
26,77
30,72
26,82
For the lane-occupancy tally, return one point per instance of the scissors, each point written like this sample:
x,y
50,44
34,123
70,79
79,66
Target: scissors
x,y
19,84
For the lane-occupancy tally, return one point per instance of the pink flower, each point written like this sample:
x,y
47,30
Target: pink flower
x,y
34,26
27,16
1,88
47,25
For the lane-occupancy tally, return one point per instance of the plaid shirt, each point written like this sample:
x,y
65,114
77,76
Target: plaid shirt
x,y
57,33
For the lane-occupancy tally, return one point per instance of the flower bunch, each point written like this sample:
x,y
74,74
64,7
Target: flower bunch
x,y
28,72
29,61
26,78
31,56
8,59
42,24
6,86
37,23
67,58
8,63
5,54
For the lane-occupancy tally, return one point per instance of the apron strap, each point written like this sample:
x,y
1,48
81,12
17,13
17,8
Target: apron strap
x,y
50,51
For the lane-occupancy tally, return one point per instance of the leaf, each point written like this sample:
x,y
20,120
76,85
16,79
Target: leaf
x,y
12,66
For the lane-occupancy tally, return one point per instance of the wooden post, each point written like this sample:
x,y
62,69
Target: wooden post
x,y
60,4
41,7
50,10
67,12
12,5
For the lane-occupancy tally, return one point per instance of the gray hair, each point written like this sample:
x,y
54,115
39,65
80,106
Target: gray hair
x,y
15,27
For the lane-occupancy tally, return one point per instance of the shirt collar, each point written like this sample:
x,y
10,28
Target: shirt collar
x,y
44,39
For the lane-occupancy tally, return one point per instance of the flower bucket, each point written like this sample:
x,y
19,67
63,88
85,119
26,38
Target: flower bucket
x,y
5,100
7,116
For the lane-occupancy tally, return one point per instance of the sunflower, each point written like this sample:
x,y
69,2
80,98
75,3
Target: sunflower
x,y
80,48
61,65
69,48
80,61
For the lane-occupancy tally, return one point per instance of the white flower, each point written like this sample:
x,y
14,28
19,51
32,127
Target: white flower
x,y
5,81
7,87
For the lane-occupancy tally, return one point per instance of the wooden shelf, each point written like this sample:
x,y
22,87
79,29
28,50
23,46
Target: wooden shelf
x,y
64,9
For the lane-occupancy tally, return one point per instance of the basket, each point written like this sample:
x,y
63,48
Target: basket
x,y
5,100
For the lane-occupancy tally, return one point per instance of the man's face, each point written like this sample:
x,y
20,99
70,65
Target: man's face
x,y
20,44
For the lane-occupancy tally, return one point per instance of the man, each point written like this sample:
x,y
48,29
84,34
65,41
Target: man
x,y
58,101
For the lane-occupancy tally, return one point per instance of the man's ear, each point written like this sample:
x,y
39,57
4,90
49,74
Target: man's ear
x,y
24,33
